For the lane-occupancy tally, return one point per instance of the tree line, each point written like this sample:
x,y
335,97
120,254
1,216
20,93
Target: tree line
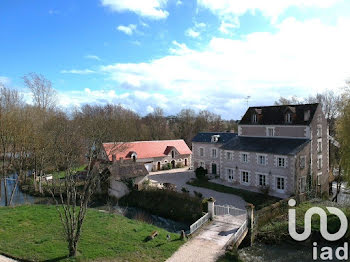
x,y
40,137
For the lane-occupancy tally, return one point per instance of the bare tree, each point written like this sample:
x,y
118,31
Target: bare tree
x,y
44,95
294,100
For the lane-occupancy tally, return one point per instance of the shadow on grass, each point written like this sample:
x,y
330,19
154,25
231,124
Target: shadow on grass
x,y
56,259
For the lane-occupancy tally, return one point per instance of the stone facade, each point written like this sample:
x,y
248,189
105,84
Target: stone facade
x,y
285,174
209,161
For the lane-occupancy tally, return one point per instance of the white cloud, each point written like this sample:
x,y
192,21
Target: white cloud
x,y
192,33
93,57
129,30
152,9
196,30
269,8
226,28
179,48
179,2
300,58
5,80
78,71
144,24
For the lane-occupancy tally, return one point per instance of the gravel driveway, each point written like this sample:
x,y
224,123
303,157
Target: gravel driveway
x,y
179,179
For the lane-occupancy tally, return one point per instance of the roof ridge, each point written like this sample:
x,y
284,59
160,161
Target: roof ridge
x,y
144,141
285,105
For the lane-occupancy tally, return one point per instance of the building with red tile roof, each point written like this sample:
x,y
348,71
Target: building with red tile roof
x,y
155,154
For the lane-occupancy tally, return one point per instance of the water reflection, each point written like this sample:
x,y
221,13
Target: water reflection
x,y
19,197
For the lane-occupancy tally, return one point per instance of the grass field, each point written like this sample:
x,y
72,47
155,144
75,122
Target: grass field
x,y
34,232
257,199
62,174
277,229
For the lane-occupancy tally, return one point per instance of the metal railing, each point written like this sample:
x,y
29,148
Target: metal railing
x,y
228,210
196,225
238,234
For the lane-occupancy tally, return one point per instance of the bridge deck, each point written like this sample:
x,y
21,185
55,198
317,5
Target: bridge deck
x,y
209,244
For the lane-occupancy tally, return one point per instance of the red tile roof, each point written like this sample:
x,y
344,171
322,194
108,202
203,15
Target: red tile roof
x,y
145,149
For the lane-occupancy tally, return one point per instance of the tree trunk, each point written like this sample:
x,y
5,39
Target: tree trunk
x,y
5,191
13,191
72,246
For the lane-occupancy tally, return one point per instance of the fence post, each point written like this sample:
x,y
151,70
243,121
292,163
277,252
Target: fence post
x,y
211,209
250,222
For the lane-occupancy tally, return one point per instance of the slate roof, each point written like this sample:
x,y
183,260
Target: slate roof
x,y
127,169
205,137
275,115
145,149
278,146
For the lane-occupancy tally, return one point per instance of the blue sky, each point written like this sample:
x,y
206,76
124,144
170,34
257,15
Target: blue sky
x,y
200,54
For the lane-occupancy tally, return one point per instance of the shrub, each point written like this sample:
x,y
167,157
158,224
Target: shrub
x,y
184,190
201,173
166,166
265,190
169,204
179,165
198,194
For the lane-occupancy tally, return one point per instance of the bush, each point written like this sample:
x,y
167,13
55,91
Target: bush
x,y
265,190
201,173
169,204
198,194
184,190
166,166
179,165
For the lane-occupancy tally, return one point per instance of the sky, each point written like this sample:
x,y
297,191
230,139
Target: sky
x,y
175,54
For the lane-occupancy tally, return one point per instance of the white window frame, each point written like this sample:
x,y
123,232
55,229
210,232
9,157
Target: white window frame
x,y
284,184
277,163
241,176
226,155
288,118
216,152
258,179
255,118
242,157
268,131
200,152
258,159
230,174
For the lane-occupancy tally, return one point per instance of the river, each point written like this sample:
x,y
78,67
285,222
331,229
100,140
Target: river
x,y
19,197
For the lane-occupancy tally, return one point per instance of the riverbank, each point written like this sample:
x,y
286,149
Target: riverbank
x,y
276,229
104,236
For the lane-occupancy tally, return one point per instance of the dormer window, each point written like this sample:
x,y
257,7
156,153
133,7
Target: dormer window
x,y
215,138
289,118
173,154
134,156
307,115
255,118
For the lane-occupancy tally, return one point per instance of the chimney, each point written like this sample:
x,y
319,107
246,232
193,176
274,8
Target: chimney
x,y
113,158
121,160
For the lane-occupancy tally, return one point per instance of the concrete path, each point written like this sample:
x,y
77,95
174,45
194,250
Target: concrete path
x,y
6,259
180,179
209,244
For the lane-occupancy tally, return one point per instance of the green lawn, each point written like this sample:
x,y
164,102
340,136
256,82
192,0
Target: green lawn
x,y
34,232
257,199
62,174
